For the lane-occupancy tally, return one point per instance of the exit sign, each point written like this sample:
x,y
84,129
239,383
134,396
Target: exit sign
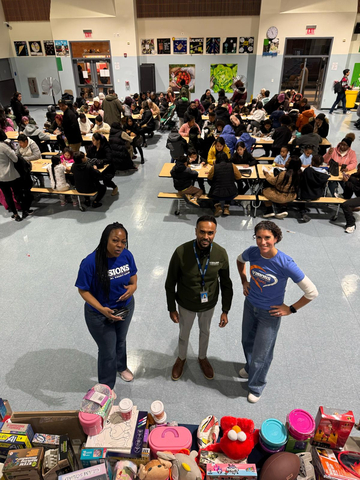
x,y
310,31
88,33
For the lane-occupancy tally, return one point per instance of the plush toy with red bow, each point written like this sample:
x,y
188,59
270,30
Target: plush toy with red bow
x,y
238,440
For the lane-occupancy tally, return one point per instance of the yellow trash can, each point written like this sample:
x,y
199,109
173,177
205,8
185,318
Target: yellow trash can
x,y
351,98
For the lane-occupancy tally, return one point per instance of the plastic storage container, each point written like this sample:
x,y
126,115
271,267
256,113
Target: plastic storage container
x,y
170,439
273,436
351,98
301,427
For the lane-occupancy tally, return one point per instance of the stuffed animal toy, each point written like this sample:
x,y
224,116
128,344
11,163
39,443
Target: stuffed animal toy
x,y
158,469
184,466
238,440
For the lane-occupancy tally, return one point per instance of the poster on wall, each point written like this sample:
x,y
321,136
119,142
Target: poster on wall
x,y
148,46
222,76
246,45
213,45
230,44
181,72
49,48
35,48
179,45
61,48
163,46
21,49
196,46
271,47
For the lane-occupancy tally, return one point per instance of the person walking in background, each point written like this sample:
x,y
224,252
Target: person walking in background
x,y
341,97
112,108
196,271
70,126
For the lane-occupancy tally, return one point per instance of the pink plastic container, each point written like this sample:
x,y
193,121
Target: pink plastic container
x,y
91,424
301,424
170,439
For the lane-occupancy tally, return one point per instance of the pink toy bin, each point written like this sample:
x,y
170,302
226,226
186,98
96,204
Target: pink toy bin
x,y
170,439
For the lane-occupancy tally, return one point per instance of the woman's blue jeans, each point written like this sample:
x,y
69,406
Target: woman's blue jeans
x,y
111,341
259,332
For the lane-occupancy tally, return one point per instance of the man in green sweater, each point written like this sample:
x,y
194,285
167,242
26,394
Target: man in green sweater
x,y
195,271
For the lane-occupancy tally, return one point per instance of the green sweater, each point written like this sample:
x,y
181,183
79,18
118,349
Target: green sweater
x,y
183,282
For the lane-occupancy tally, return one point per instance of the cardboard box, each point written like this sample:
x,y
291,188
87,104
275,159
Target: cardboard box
x,y
215,458
66,452
56,423
12,441
98,472
333,428
114,457
18,428
46,440
327,466
238,471
92,456
24,464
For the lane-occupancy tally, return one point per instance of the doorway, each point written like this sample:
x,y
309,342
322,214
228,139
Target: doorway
x,y
92,77
305,65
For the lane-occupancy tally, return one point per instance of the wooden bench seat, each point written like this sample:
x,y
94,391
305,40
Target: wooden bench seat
x,y
178,196
65,192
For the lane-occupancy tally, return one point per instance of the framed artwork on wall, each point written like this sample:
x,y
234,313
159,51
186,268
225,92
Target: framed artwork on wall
x,y
49,48
196,46
35,48
222,76
246,45
179,45
21,49
61,48
229,45
163,46
213,45
179,72
148,46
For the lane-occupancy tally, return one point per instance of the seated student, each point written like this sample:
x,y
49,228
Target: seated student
x,y
307,137
229,106
222,112
67,156
81,99
228,135
195,140
235,118
207,99
100,126
274,103
31,130
211,108
304,117
209,125
246,137
252,105
177,145
303,104
199,106
351,187
184,90
58,181
296,100
281,159
282,189
343,155
313,184
218,146
87,179
155,110
266,98
136,98
194,158
259,116
9,114
6,124
147,122
181,107
281,135
95,108
56,127
222,178
135,109
184,178
101,150
240,93
170,95
133,130
163,105
127,106
219,125
84,108
85,124
266,131
193,111
306,157
221,95
261,95
154,98
121,139
185,129
276,115
243,108
28,148
143,97
244,158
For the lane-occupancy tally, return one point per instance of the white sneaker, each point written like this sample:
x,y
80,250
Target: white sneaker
x,y
347,113
243,373
253,398
338,195
350,229
281,215
126,375
268,215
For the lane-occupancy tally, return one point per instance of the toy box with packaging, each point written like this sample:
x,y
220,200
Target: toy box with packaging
x,y
46,440
18,429
235,471
333,428
96,472
24,463
206,458
92,456
327,466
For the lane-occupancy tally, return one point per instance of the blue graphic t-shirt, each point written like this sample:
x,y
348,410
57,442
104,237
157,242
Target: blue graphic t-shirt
x,y
120,269
268,277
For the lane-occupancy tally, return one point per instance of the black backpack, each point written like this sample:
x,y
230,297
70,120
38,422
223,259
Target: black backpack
x,y
338,87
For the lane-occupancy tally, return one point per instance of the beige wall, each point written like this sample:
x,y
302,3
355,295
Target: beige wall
x,y
82,8
4,36
355,39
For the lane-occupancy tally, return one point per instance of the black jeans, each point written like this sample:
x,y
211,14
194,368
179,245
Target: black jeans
x,y
348,212
341,97
8,188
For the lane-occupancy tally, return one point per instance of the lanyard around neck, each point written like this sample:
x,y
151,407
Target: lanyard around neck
x,y
202,272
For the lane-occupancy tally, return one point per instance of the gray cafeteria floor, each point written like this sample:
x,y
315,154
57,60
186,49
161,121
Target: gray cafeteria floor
x,y
48,358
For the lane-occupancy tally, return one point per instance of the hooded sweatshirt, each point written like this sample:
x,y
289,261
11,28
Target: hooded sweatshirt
x,y
349,159
30,152
34,131
248,140
112,109
177,145
304,118
313,184
183,176
228,135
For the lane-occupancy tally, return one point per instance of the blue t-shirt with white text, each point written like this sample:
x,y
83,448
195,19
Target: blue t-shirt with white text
x,y
269,276
120,269
306,160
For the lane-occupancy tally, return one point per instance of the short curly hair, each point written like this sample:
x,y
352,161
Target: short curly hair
x,y
267,225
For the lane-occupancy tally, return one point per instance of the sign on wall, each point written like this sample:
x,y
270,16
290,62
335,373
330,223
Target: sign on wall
x,y
61,48
181,72
163,46
21,49
196,46
148,46
230,44
222,76
35,48
271,47
213,45
49,48
179,45
246,45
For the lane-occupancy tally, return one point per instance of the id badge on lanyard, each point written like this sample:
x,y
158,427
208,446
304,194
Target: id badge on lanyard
x,y
204,297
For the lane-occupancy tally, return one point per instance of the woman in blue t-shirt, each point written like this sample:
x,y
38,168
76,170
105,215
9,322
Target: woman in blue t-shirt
x,y
107,281
264,304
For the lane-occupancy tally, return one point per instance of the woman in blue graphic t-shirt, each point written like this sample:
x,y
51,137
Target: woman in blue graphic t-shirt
x,y
264,304
107,281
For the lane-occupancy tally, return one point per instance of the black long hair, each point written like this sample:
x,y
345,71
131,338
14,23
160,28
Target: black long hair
x,y
55,160
293,172
101,259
